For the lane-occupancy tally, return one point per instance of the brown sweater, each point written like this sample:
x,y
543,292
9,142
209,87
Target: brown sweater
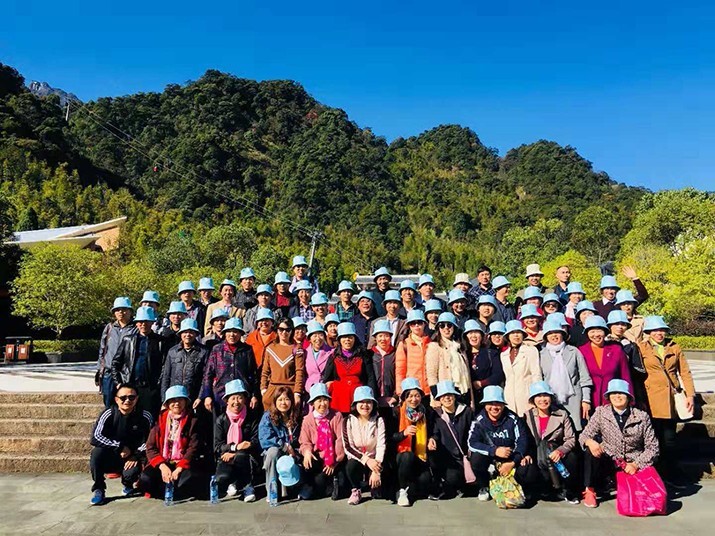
x,y
283,365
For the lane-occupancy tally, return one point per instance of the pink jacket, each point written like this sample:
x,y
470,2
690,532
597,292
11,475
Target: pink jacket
x,y
309,433
314,365
613,366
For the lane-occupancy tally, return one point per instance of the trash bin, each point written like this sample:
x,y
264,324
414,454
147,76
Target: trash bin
x,y
18,349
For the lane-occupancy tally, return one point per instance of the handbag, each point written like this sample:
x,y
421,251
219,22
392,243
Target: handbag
x,y
469,476
679,397
506,491
642,494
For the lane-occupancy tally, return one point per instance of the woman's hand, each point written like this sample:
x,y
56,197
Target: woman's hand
x,y
254,402
595,448
409,431
296,397
431,444
690,404
165,473
629,272
374,465
329,470
585,410
555,456
176,473
243,445
130,464
308,458
503,452
226,457
196,403
375,480
505,468
208,403
392,402
526,460
631,468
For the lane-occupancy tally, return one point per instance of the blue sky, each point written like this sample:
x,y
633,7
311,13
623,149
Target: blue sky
x,y
631,84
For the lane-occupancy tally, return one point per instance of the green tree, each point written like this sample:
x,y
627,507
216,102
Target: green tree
x,y
594,233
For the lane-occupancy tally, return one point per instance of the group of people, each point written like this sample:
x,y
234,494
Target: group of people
x,y
395,391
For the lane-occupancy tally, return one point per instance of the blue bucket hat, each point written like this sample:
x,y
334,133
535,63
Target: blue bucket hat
x,y
145,314
553,326
150,296
346,329
539,388
185,286
408,284
281,277
206,283
176,391
415,315
448,318
608,281
533,292
234,387
219,312
455,295
318,299
227,283
575,288
288,471
122,302
446,387
585,305
425,279
345,285
233,323
487,299
618,317
303,284
654,322
298,322
247,273
264,289
317,390
529,309
595,322
433,305
332,318
176,307
380,272
497,327
381,326
264,313
559,318
493,393
500,281
408,384
362,393
625,296
392,295
299,260
365,295
472,325
314,327
189,324
551,297
618,386
514,325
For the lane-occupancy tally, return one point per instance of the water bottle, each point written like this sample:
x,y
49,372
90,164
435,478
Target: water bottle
x,y
169,494
213,490
273,492
561,468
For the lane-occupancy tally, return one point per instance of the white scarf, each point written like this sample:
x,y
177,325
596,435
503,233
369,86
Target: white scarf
x,y
458,366
559,379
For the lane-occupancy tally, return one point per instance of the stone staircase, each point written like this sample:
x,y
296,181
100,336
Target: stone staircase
x,y
46,432
696,441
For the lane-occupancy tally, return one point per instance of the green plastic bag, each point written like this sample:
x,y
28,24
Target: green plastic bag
x,y
507,492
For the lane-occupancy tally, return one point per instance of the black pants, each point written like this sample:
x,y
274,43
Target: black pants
x,y
597,472
240,471
317,481
526,475
412,472
107,460
448,473
149,400
151,482
665,432
572,484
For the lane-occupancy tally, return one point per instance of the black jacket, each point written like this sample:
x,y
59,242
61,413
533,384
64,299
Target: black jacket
x,y
184,367
461,421
486,367
123,361
249,431
384,369
113,430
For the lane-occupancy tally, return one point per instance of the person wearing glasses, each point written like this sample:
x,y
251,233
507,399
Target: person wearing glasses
x,y
119,443
283,365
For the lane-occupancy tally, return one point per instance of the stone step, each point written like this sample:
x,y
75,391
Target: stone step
x,y
7,397
43,463
708,412
696,429
697,469
35,427
707,398
50,411
45,445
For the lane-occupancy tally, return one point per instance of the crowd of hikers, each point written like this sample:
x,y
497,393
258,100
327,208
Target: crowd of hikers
x,y
275,389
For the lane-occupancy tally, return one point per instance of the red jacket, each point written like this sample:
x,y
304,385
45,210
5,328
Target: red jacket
x,y
613,365
190,441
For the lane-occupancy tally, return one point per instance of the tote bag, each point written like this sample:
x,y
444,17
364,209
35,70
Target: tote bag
x,y
642,494
506,491
469,476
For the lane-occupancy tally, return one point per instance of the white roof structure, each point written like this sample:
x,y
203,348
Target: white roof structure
x,y
82,235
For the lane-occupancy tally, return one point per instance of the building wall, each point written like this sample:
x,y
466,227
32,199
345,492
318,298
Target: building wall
x,y
108,239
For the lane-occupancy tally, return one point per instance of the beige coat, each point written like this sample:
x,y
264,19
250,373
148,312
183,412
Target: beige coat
x,y
519,376
439,368
635,332
660,394
235,311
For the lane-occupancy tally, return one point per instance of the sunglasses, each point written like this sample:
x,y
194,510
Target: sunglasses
x,y
125,398
445,325
283,330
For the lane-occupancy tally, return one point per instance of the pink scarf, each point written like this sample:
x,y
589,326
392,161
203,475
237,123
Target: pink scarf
x,y
172,438
235,435
325,443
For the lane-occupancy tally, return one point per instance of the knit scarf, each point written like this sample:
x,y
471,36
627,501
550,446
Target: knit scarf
x,y
325,442
416,416
559,378
458,366
171,450
235,434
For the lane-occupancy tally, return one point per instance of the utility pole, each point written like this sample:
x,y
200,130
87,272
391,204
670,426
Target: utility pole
x,y
67,113
313,245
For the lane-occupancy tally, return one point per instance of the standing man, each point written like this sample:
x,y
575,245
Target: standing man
x,y
283,298
345,308
112,336
194,308
301,271
408,295
206,292
364,317
534,275
246,296
563,278
185,362
264,296
382,280
426,287
484,283
505,310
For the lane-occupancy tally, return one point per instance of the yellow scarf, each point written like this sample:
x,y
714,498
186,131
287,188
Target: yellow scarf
x,y
420,448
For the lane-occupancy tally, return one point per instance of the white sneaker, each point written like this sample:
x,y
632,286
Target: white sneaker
x,y
483,495
232,490
402,498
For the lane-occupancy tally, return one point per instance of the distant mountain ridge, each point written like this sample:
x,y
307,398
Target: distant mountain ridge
x,y
42,89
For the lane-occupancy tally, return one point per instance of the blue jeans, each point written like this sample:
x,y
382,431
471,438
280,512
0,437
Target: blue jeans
x,y
107,389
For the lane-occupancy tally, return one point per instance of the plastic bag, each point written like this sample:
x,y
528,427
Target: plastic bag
x,y
642,494
507,492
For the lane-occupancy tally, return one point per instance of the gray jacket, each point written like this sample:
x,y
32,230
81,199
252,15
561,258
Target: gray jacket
x,y
112,336
580,379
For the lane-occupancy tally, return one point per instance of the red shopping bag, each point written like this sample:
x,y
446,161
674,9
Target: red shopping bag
x,y
642,494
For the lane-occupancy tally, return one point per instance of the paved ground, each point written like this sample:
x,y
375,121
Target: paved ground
x,y
59,505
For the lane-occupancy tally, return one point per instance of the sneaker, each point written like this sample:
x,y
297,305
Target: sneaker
x,y
436,496
232,490
483,495
97,497
376,493
355,497
589,498
568,497
402,498
128,490
249,494
112,476
305,493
